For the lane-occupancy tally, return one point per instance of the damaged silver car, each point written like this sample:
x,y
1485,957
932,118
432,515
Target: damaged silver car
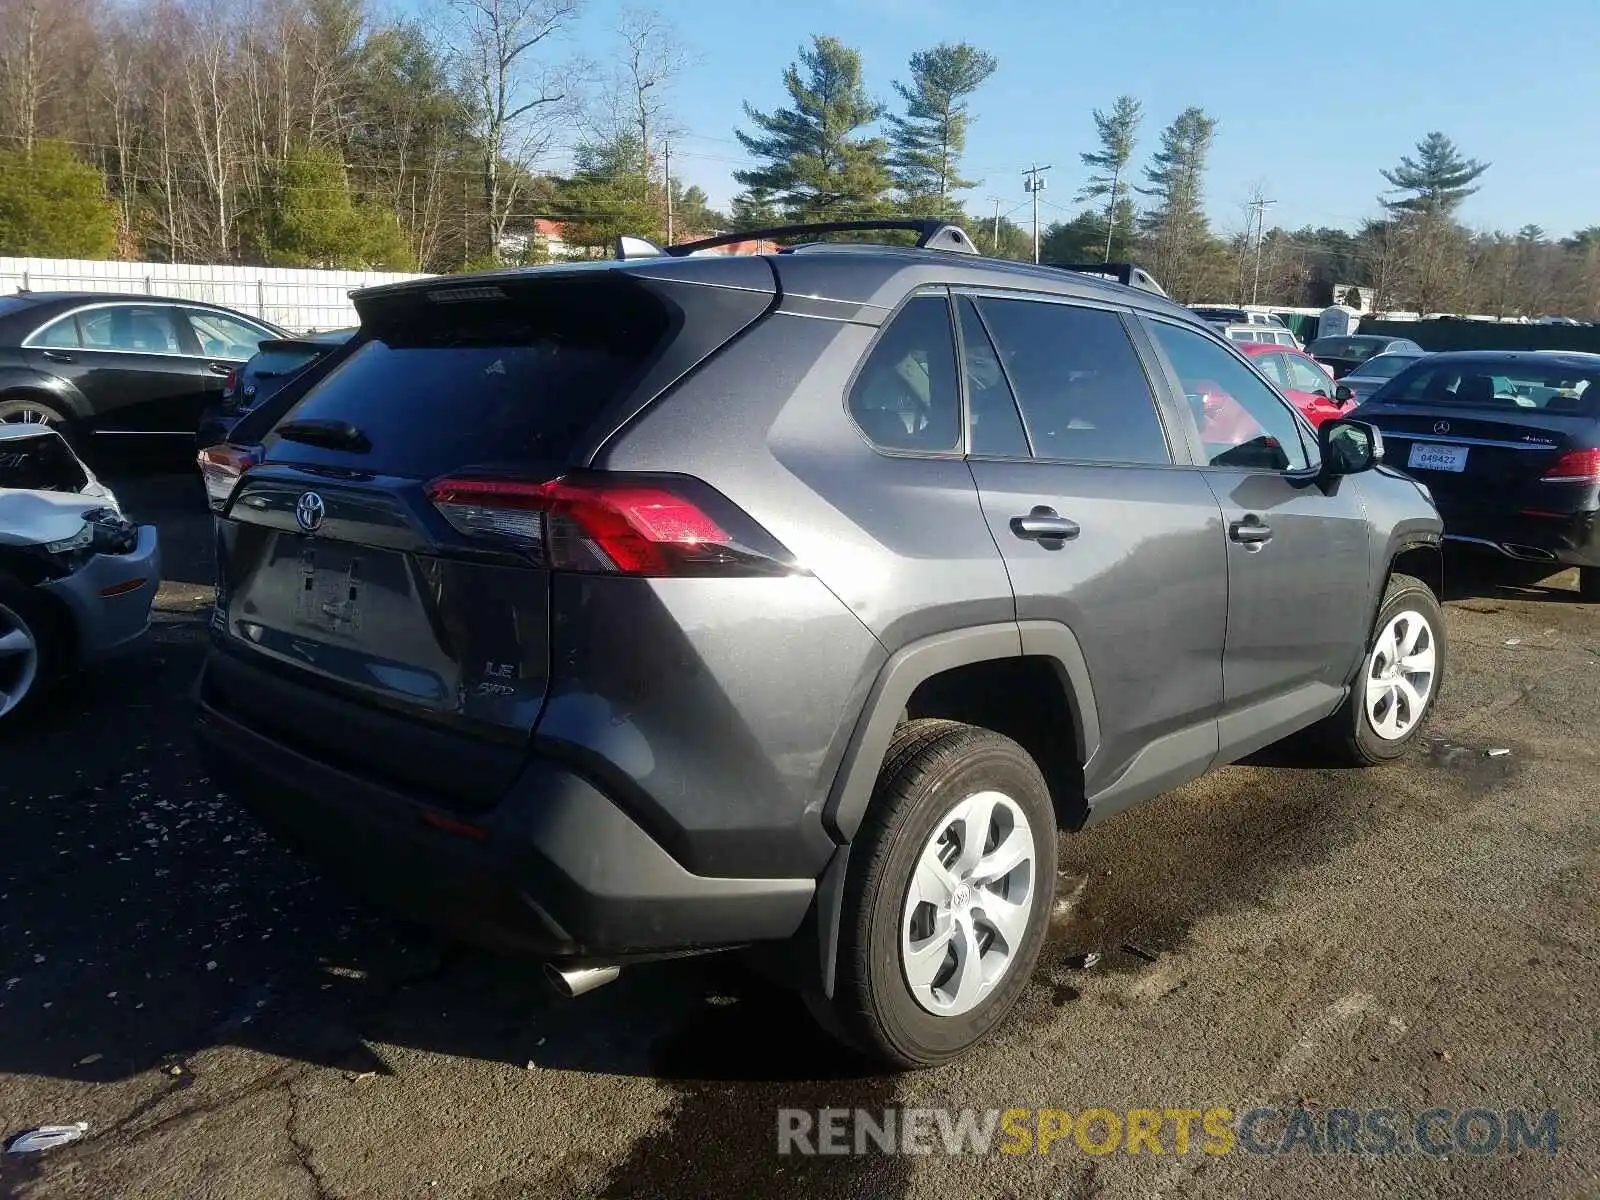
x,y
77,578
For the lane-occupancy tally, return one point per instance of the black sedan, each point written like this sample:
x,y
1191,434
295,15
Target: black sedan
x,y
1509,445
275,363
94,363
1342,355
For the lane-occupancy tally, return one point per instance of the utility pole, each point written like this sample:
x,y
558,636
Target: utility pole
x,y
995,247
666,170
1260,206
1034,185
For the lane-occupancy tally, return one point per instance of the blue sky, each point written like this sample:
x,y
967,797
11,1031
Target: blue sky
x,y
1310,106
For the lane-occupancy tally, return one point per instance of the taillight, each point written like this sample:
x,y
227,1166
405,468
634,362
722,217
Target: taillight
x,y
222,467
613,524
1575,466
230,381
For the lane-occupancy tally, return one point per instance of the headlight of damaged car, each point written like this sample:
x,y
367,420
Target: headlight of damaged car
x,y
105,531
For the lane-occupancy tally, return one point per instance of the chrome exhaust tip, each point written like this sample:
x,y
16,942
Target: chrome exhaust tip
x,y
575,981
1528,553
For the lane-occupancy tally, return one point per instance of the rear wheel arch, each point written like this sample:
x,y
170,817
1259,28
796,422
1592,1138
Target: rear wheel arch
x,y
951,675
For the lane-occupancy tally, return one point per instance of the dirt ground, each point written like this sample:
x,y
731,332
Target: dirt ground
x,y
231,1026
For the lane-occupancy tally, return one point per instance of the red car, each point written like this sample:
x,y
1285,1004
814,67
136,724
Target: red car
x,y
1299,376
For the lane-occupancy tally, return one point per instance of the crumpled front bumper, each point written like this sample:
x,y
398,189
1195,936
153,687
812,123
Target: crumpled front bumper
x,y
110,597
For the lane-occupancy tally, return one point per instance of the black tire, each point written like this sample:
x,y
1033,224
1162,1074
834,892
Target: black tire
x,y
1589,584
931,767
21,607
1349,734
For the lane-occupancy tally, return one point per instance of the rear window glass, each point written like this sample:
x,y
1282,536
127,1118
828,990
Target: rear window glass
x,y
435,387
1345,347
1386,366
1510,386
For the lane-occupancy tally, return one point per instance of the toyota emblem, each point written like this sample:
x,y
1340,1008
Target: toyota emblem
x,y
1441,426
309,511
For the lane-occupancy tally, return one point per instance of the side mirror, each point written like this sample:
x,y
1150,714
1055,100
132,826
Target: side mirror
x,y
1343,394
1349,447
1321,392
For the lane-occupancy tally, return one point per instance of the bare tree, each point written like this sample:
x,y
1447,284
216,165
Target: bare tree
x,y
521,94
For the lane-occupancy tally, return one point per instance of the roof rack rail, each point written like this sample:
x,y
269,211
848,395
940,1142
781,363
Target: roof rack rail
x,y
931,235
1126,273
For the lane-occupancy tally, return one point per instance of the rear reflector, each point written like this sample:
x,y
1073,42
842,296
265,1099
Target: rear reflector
x,y
222,467
122,589
1575,466
612,525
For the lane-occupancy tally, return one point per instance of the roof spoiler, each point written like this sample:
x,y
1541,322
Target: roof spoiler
x,y
931,235
1126,273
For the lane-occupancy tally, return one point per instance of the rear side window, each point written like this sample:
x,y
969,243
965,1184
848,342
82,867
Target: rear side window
x,y
906,397
434,387
62,335
996,426
1078,382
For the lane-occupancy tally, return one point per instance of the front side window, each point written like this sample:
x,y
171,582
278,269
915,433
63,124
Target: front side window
x,y
222,336
1078,382
1242,421
132,328
906,396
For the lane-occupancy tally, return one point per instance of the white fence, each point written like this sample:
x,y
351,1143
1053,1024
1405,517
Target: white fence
x,y
298,300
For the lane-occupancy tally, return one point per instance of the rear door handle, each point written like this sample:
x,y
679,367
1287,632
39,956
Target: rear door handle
x,y
59,356
219,368
1044,524
1251,531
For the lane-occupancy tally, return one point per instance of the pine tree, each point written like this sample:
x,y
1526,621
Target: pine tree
x,y
1176,225
818,164
1435,182
1118,132
54,206
930,138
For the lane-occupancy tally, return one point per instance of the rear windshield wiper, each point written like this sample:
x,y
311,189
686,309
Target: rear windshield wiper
x,y
330,435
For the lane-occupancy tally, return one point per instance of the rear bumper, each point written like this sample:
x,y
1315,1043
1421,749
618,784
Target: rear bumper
x,y
555,870
110,597
1560,540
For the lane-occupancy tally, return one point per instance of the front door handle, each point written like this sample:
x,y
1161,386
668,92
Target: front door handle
x,y
1044,524
1251,531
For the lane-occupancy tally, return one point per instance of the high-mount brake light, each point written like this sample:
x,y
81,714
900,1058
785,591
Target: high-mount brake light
x,y
221,467
608,525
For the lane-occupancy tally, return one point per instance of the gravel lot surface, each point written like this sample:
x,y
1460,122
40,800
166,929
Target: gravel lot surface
x,y
230,1025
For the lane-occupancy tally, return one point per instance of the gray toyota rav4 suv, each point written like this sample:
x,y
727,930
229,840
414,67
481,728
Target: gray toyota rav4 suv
x,y
626,610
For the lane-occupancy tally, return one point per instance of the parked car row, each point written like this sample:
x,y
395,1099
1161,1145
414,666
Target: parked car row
x,y
608,614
